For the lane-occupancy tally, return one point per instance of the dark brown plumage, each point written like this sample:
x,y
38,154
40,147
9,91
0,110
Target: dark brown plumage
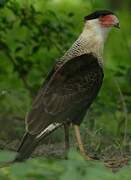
x,y
71,87
65,97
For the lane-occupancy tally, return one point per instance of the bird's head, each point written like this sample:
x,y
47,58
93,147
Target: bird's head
x,y
105,18
101,21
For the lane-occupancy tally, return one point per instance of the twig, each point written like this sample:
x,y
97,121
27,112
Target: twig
x,y
124,110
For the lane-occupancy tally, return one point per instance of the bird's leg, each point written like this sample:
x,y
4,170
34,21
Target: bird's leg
x,y
67,143
79,142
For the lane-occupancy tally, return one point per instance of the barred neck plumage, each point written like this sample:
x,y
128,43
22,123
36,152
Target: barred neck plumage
x,y
91,40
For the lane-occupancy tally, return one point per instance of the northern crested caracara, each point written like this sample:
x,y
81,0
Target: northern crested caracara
x,y
71,86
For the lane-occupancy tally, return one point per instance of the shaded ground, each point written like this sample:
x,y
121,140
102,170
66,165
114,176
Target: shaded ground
x,y
111,159
12,131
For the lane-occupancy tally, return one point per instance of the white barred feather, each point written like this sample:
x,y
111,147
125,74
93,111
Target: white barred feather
x,y
49,129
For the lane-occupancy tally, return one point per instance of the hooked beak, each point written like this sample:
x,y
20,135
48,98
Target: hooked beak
x,y
117,25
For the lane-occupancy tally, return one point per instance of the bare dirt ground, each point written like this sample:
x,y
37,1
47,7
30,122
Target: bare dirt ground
x,y
111,157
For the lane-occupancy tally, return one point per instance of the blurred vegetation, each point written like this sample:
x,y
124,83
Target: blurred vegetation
x,y
48,169
33,35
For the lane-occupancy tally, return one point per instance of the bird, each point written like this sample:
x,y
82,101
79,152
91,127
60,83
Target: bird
x,y
70,87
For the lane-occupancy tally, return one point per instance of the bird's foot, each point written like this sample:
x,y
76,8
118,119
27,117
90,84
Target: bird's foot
x,y
88,157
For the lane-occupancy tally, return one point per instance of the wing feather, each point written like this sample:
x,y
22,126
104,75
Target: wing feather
x,y
75,81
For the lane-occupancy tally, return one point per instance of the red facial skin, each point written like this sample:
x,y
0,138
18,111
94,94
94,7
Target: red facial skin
x,y
107,21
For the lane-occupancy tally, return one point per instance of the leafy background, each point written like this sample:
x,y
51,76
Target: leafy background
x,y
33,35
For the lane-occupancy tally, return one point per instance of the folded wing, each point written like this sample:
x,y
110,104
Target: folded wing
x,y
70,86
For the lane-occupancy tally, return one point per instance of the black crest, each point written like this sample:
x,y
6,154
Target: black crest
x,y
97,14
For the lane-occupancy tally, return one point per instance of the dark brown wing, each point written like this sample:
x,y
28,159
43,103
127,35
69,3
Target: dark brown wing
x,y
68,90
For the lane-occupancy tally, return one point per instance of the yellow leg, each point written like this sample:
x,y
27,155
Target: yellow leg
x,y
79,142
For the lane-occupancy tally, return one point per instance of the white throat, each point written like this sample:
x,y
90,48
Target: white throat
x,y
94,28
94,36
91,40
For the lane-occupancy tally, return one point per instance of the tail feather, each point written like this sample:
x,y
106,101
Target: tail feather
x,y
26,147
29,142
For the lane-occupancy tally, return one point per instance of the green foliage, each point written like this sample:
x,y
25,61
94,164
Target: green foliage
x,y
73,169
6,156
